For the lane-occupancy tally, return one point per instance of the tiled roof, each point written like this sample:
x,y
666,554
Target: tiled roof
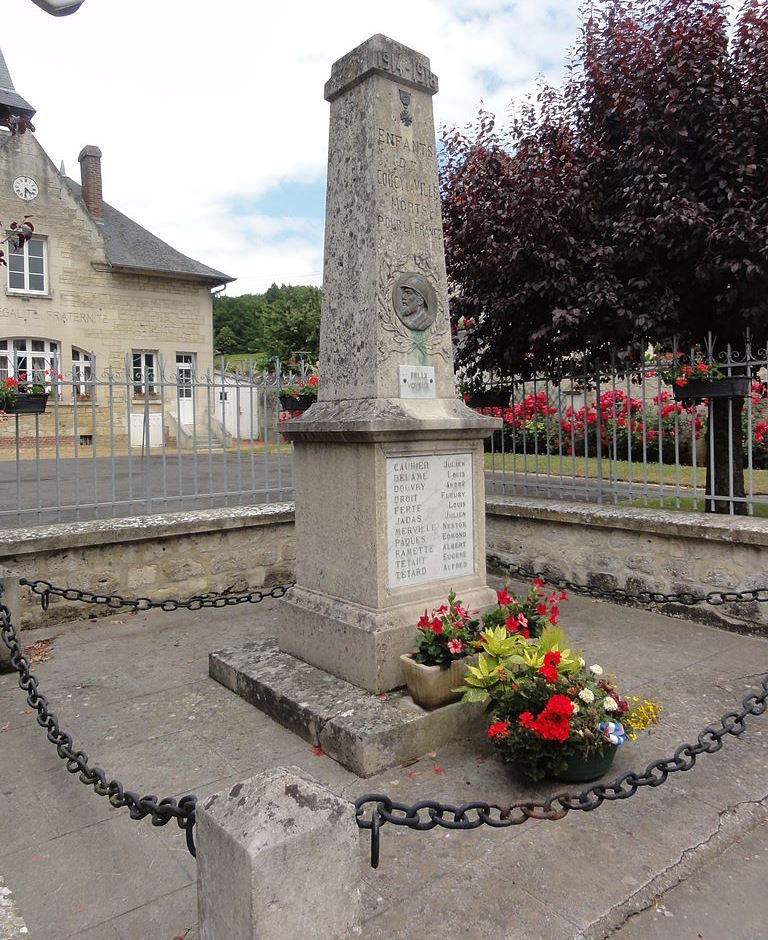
x,y
8,94
130,246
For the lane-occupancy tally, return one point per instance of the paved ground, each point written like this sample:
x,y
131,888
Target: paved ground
x,y
134,692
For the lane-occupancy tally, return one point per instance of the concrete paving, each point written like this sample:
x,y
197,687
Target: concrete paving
x,y
134,692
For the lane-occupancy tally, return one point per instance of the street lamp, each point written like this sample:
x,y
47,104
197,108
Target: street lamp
x,y
59,7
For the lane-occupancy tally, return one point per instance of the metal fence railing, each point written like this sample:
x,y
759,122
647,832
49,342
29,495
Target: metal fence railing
x,y
142,440
641,435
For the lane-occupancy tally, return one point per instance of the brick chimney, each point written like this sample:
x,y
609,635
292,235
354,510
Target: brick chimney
x,y
90,177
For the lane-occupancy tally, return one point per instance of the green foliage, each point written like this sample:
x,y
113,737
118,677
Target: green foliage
x,y
280,323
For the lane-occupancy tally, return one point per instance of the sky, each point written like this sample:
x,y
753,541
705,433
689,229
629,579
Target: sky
x,y
211,118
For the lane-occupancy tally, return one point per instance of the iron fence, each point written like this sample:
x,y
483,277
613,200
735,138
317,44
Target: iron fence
x,y
642,435
141,440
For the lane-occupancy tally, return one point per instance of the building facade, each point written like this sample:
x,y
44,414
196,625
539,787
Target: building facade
x,y
101,311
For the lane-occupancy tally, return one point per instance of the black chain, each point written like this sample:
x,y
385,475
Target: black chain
x,y
162,811
644,598
44,589
477,813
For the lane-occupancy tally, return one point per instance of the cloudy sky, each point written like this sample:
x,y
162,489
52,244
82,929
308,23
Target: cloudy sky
x,y
210,113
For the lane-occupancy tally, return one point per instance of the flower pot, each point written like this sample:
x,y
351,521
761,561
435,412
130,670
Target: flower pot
x,y
491,398
730,387
581,769
289,403
431,686
27,404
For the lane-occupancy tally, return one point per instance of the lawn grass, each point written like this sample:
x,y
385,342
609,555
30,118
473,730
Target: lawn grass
x,y
619,470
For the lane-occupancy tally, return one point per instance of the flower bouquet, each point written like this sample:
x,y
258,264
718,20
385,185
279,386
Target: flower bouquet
x,y
446,638
529,616
299,395
552,715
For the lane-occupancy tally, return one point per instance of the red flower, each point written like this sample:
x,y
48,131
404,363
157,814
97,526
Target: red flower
x,y
423,621
526,720
552,658
511,624
503,597
537,582
436,626
681,383
549,673
499,729
560,706
456,647
541,610
312,380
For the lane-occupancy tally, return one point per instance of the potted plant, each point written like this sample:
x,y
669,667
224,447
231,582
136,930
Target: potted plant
x,y
551,714
695,379
19,396
447,639
479,395
528,616
298,395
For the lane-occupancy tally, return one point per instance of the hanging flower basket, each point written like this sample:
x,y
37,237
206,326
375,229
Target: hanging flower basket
x,y
727,387
26,404
491,398
289,403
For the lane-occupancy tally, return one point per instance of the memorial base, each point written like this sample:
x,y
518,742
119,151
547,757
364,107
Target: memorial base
x,y
354,643
365,733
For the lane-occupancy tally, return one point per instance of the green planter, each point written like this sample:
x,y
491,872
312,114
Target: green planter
x,y
588,768
26,405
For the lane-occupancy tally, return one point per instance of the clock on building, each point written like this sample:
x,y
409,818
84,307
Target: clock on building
x,y
25,187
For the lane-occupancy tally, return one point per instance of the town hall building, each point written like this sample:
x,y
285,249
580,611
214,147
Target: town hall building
x,y
92,294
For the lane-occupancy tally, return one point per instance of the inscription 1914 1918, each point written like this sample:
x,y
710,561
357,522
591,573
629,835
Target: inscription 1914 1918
x,y
406,67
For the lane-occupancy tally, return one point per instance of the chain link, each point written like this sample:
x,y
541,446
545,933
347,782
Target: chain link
x,y
162,811
644,598
45,590
427,814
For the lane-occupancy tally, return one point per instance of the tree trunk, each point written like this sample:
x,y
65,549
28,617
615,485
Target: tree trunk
x,y
725,469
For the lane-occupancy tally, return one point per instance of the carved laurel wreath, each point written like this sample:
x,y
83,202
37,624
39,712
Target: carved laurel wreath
x,y
429,342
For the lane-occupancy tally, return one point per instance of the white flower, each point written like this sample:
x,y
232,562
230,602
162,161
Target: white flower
x,y
582,662
596,670
575,707
610,704
587,695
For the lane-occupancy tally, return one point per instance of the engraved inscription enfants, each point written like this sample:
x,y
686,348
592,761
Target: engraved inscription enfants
x,y
412,205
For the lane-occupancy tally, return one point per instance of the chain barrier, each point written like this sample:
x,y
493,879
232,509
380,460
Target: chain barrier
x,y
477,813
45,590
163,810
424,814
644,598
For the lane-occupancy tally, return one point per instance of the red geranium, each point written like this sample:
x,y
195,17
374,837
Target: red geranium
x,y
499,729
549,673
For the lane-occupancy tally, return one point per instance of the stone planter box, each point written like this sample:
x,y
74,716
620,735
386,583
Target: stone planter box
x,y
431,686
730,387
27,405
289,403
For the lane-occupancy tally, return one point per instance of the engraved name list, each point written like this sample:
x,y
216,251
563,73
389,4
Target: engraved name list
x,y
429,518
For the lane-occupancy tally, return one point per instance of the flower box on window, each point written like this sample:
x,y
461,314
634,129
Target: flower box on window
x,y
31,404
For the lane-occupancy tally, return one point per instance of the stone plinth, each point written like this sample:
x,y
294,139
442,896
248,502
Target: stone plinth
x,y
363,732
388,463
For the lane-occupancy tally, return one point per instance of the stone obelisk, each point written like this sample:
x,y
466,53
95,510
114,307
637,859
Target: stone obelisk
x,y
388,463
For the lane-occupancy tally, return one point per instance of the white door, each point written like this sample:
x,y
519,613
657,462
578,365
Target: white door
x,y
185,367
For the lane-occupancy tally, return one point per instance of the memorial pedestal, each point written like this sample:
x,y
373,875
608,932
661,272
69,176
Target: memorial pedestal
x,y
390,517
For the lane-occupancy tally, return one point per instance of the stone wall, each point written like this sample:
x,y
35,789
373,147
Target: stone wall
x,y
639,549
180,554
163,556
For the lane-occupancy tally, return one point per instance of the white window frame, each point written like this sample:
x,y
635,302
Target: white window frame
x,y
29,361
82,374
185,375
23,253
144,373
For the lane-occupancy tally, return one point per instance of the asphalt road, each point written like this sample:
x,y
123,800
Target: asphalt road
x,y
47,491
